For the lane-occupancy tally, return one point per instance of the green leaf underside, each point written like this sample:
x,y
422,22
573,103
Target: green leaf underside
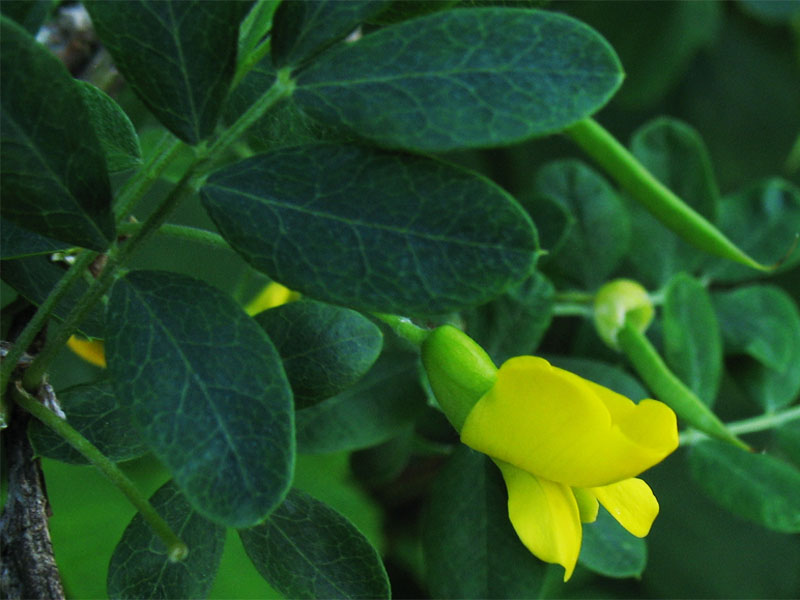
x,y
383,404
463,79
207,392
94,411
325,349
595,209
303,28
177,55
114,129
469,545
763,322
372,230
607,548
676,155
692,339
53,179
787,438
306,549
514,323
34,278
763,221
140,567
18,242
758,487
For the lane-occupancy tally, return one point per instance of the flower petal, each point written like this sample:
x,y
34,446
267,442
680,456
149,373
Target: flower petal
x,y
545,516
631,502
561,427
587,504
92,351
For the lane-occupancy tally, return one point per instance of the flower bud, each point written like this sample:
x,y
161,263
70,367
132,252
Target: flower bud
x,y
618,302
459,371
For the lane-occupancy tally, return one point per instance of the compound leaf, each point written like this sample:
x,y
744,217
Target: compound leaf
x,y
466,78
372,230
178,56
325,349
140,567
306,549
54,180
207,391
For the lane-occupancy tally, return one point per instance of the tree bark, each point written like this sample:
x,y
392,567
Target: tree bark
x,y
28,568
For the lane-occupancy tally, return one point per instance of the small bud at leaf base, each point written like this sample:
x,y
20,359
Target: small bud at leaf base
x,y
618,302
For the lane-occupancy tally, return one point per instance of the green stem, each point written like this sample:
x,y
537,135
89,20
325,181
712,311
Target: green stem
x,y
668,388
176,549
36,323
181,232
116,258
403,327
565,309
136,187
653,195
751,425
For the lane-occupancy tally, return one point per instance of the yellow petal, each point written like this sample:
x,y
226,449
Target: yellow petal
x,y
545,516
92,351
631,502
274,294
587,504
561,427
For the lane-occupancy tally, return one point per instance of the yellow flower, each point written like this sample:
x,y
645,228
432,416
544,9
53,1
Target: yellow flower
x,y
92,351
562,443
274,294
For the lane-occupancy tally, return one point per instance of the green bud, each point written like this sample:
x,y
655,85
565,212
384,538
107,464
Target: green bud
x,y
459,370
618,302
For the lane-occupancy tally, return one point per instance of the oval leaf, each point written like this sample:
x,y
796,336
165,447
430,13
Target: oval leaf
x,y
377,408
463,79
18,242
372,230
140,567
764,323
34,278
113,128
93,410
324,348
303,28
758,487
177,55
305,549
207,391
607,548
470,547
692,339
588,254
53,179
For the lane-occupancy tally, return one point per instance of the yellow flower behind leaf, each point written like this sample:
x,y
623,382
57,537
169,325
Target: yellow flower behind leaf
x,y
92,351
563,444
274,294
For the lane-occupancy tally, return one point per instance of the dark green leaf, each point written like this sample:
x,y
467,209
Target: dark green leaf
x,y
608,549
325,349
692,339
306,549
605,374
18,242
402,10
303,28
515,322
178,56
376,409
28,13
54,179
463,79
256,26
92,409
772,12
34,278
763,221
601,229
207,391
764,323
787,437
140,567
372,230
758,487
675,154
113,128
383,463
470,547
